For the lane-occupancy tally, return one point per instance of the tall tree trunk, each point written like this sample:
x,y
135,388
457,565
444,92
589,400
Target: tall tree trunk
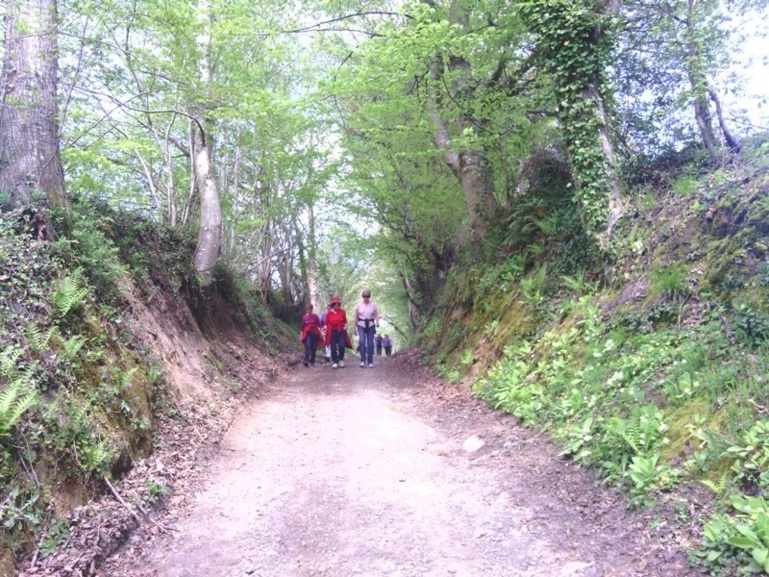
x,y
210,226
470,165
312,256
29,143
698,84
612,170
573,42
473,171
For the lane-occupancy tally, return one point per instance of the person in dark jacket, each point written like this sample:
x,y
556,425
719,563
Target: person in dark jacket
x,y
310,335
387,344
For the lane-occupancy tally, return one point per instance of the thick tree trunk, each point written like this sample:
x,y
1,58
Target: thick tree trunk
x,y
612,170
577,58
470,165
29,144
473,172
210,227
209,244
471,168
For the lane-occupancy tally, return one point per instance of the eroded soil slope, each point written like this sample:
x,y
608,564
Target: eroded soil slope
x,y
385,472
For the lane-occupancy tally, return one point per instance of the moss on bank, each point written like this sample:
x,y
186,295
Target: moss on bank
x,y
654,377
92,325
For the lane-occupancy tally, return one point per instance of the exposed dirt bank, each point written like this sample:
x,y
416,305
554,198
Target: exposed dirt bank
x,y
384,472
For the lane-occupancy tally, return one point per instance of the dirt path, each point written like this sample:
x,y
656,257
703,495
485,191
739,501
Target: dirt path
x,y
375,472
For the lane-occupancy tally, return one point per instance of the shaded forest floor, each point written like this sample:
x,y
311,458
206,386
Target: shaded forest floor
x,y
386,471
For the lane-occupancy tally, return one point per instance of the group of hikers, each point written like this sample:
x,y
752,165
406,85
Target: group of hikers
x,y
330,328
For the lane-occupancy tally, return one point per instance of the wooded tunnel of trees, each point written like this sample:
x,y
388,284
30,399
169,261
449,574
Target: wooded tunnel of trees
x,y
485,167
298,141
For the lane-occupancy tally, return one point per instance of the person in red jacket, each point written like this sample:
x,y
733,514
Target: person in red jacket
x,y
310,335
336,325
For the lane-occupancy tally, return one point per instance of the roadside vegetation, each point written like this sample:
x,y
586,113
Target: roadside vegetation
x,y
563,201
652,372
82,384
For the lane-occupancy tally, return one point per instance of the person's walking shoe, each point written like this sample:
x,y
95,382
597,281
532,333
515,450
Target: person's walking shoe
x,y
371,365
362,365
334,366
305,363
341,364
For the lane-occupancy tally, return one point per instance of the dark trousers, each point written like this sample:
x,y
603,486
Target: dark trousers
x,y
310,346
337,346
366,340
379,349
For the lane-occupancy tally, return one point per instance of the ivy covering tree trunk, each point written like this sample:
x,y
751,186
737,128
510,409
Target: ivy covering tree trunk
x,y
574,39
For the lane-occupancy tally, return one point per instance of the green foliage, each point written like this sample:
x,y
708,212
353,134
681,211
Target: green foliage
x,y
502,274
574,41
60,334
533,286
684,185
747,530
669,282
18,393
752,324
68,293
88,250
57,534
578,284
750,456
657,380
74,431
643,471
155,490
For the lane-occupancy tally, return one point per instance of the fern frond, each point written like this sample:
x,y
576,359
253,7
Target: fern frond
x,y
8,358
17,396
720,487
68,293
37,339
73,345
631,434
123,378
576,283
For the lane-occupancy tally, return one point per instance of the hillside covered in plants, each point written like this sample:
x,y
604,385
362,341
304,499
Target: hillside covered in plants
x,y
651,371
562,202
113,359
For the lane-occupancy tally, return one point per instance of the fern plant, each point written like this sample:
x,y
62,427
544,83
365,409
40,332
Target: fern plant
x,y
68,293
18,391
73,345
37,339
577,284
533,286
